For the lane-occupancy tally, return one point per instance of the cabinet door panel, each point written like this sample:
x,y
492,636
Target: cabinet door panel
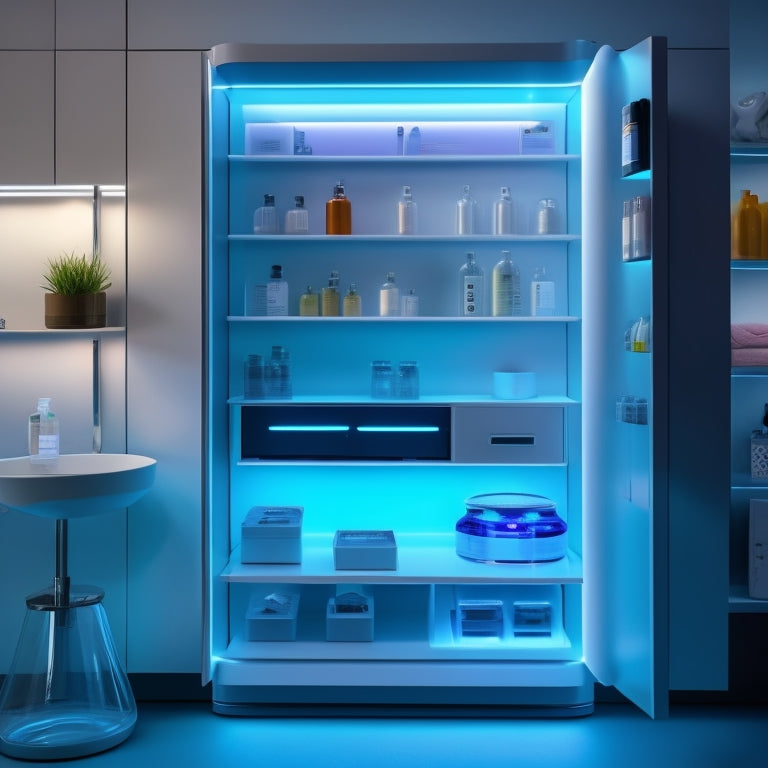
x,y
26,120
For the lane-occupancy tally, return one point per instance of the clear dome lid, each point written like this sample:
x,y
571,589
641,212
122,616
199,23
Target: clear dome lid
x,y
511,515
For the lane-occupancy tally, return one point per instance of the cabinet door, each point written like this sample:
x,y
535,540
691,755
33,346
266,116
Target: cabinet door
x,y
625,483
90,117
26,119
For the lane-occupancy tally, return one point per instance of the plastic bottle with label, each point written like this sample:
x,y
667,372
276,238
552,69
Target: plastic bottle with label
x,y
389,297
297,218
277,292
265,217
542,294
505,289
43,433
309,303
749,227
409,304
471,288
546,217
329,301
353,305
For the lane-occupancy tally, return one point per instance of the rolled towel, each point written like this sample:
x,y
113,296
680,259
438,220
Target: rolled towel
x,y
749,335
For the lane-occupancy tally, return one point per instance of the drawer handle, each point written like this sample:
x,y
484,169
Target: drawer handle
x,y
398,429
513,439
307,428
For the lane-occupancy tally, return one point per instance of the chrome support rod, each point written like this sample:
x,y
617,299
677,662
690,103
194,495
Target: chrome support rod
x,y
61,579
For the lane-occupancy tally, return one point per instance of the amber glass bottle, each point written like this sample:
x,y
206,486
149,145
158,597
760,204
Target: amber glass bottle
x,y
338,213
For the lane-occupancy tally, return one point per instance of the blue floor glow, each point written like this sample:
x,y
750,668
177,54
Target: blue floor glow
x,y
187,735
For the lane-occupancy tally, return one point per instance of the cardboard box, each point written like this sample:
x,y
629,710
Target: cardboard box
x,y
271,535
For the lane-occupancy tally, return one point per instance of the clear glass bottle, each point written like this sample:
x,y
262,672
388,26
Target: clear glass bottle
x,y
503,214
43,433
471,288
277,292
408,380
329,300
309,303
265,217
353,305
277,375
542,294
505,289
253,377
297,218
466,213
389,297
382,380
546,217
406,213
338,212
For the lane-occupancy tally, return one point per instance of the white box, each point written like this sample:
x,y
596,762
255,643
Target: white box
x,y
345,624
758,549
365,551
269,139
272,618
271,535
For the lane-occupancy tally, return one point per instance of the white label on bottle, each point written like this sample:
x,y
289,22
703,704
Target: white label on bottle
x,y
542,298
471,295
389,302
277,298
48,445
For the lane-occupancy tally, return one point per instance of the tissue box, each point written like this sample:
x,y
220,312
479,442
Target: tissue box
x,y
364,550
349,618
272,618
271,535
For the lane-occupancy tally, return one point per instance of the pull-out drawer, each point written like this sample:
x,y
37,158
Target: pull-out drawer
x,y
508,434
347,432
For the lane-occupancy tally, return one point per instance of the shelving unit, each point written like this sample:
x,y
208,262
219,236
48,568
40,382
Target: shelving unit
x,y
419,497
749,384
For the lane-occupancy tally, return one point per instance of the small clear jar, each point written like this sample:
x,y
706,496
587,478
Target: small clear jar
x,y
382,380
408,380
253,378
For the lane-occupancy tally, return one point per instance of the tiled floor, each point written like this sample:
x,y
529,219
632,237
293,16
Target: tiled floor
x,y
617,736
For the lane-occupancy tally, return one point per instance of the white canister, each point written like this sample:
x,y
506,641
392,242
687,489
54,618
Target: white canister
x,y
514,385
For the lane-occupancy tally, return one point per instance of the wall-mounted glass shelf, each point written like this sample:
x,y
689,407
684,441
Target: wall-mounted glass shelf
x,y
375,319
357,239
48,334
436,158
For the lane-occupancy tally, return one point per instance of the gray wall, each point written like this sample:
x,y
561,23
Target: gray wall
x,y
160,41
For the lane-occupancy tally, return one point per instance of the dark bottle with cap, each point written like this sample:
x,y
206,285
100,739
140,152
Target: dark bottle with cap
x,y
635,137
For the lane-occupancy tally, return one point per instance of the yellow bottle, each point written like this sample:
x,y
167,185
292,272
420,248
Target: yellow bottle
x,y
748,227
763,208
309,304
338,213
353,306
330,297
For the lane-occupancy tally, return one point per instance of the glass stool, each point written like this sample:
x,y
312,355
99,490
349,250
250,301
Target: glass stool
x,y
66,694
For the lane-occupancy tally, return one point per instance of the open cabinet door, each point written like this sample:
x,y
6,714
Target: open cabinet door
x,y
625,484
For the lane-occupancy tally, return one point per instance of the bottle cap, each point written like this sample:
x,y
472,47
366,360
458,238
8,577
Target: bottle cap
x,y
269,199
277,271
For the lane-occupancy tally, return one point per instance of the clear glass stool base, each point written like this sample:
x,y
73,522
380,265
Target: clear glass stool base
x,y
66,694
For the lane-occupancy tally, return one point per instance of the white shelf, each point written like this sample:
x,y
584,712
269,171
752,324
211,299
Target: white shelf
x,y
397,159
29,334
400,239
377,319
424,558
543,400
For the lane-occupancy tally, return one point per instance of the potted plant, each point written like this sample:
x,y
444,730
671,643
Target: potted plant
x,y
76,291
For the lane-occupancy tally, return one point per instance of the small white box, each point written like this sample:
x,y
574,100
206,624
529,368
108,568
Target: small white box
x,y
271,535
349,618
269,139
365,551
272,618
758,549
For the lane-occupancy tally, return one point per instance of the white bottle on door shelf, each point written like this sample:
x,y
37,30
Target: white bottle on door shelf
x,y
466,213
503,214
265,217
277,293
297,218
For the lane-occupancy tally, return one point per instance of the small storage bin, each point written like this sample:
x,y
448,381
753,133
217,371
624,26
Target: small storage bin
x,y
271,535
272,617
364,551
349,618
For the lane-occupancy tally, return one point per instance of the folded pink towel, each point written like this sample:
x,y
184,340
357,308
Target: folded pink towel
x,y
749,335
749,356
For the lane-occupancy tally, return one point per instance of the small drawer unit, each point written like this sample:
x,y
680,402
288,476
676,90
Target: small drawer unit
x,y
346,432
508,434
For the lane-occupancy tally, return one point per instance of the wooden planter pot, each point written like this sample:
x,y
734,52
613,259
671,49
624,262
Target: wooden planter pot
x,y
86,311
